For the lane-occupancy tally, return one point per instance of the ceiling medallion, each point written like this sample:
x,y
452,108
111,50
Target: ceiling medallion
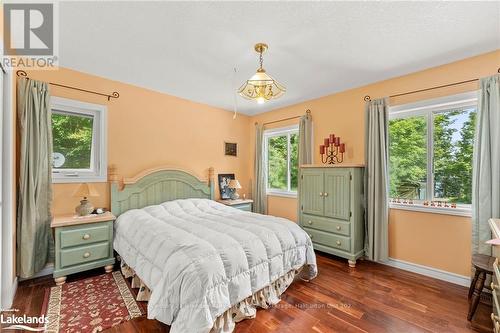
x,y
261,87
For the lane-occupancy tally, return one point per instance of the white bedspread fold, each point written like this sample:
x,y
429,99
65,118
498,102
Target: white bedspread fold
x,y
200,257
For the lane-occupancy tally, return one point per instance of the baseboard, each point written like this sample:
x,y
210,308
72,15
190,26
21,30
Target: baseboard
x,y
8,297
429,271
47,270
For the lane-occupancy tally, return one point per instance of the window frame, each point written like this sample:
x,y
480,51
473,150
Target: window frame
x,y
98,171
275,132
428,108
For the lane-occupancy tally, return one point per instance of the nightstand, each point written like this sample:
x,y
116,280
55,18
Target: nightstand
x,y
242,204
82,243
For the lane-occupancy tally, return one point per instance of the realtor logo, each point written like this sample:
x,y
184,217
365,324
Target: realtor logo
x,y
28,29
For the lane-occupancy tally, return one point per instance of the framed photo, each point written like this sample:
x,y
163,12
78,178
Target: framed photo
x,y
225,192
231,149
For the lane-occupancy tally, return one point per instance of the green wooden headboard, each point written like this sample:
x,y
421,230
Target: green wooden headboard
x,y
154,186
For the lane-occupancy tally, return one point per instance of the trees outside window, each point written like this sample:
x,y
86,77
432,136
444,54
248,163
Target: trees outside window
x,y
430,153
281,151
78,141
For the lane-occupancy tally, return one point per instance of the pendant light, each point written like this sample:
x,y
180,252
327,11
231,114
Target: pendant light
x,y
261,87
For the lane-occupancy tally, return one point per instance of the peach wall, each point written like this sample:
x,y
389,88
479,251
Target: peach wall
x,y
148,129
343,114
435,240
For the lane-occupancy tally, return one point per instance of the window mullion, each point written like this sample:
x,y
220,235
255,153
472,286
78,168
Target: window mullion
x,y
430,157
288,162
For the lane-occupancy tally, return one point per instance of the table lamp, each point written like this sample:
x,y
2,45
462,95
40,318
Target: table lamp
x,y
234,185
85,190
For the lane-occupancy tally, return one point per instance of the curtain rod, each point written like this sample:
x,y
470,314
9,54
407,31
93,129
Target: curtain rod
x,y
114,94
367,98
284,119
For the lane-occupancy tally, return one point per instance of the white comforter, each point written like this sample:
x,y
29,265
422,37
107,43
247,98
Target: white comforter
x,y
200,257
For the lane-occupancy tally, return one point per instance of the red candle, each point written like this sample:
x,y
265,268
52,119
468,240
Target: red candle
x,y
332,138
321,149
342,148
327,142
337,140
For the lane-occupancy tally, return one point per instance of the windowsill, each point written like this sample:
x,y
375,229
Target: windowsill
x,y
79,179
282,194
459,211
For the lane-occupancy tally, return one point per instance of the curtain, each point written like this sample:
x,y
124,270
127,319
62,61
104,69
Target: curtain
x,y
34,238
259,188
305,140
486,164
376,181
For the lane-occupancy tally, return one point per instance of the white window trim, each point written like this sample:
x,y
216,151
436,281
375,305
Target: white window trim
x,y
273,133
428,108
99,163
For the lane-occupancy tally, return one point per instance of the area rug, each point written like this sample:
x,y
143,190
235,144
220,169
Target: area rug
x,y
90,305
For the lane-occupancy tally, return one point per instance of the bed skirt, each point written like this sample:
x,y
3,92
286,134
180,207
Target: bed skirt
x,y
246,309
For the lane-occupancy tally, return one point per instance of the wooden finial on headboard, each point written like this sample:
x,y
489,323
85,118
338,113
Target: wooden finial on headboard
x,y
211,174
113,174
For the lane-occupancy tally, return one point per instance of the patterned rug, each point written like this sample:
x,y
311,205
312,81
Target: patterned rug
x,y
90,305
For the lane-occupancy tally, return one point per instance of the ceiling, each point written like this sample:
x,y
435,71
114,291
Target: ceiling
x,y
190,49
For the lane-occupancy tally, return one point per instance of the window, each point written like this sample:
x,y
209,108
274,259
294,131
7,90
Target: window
x,y
430,150
78,141
281,152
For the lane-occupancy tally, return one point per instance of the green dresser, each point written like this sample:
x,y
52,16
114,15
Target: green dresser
x,y
82,243
331,210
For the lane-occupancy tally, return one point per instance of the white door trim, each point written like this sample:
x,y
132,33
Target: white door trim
x,y
8,282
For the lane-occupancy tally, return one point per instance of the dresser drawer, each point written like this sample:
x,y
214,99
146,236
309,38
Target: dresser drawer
x,y
82,235
330,240
84,254
326,224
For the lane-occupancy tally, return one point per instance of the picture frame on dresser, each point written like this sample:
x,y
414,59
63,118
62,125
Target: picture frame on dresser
x,y
223,180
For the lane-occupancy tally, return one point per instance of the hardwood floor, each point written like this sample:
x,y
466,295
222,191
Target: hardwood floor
x,y
370,298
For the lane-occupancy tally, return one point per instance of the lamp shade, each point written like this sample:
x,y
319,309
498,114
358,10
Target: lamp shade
x,y
85,190
233,183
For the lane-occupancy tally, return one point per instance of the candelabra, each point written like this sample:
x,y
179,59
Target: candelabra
x,y
332,151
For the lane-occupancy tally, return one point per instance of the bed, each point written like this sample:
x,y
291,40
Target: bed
x,y
202,265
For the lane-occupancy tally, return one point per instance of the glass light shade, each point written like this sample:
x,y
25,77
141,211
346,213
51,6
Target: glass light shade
x,y
233,183
85,190
261,87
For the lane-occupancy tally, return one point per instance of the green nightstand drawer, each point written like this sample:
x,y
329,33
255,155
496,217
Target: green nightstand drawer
x,y
246,207
84,254
83,235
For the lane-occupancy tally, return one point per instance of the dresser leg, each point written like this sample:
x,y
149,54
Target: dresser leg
x,y
352,263
108,269
60,280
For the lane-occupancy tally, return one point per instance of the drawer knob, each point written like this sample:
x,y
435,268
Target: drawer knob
x,y
338,227
86,254
325,194
320,194
338,243
310,222
86,236
310,236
